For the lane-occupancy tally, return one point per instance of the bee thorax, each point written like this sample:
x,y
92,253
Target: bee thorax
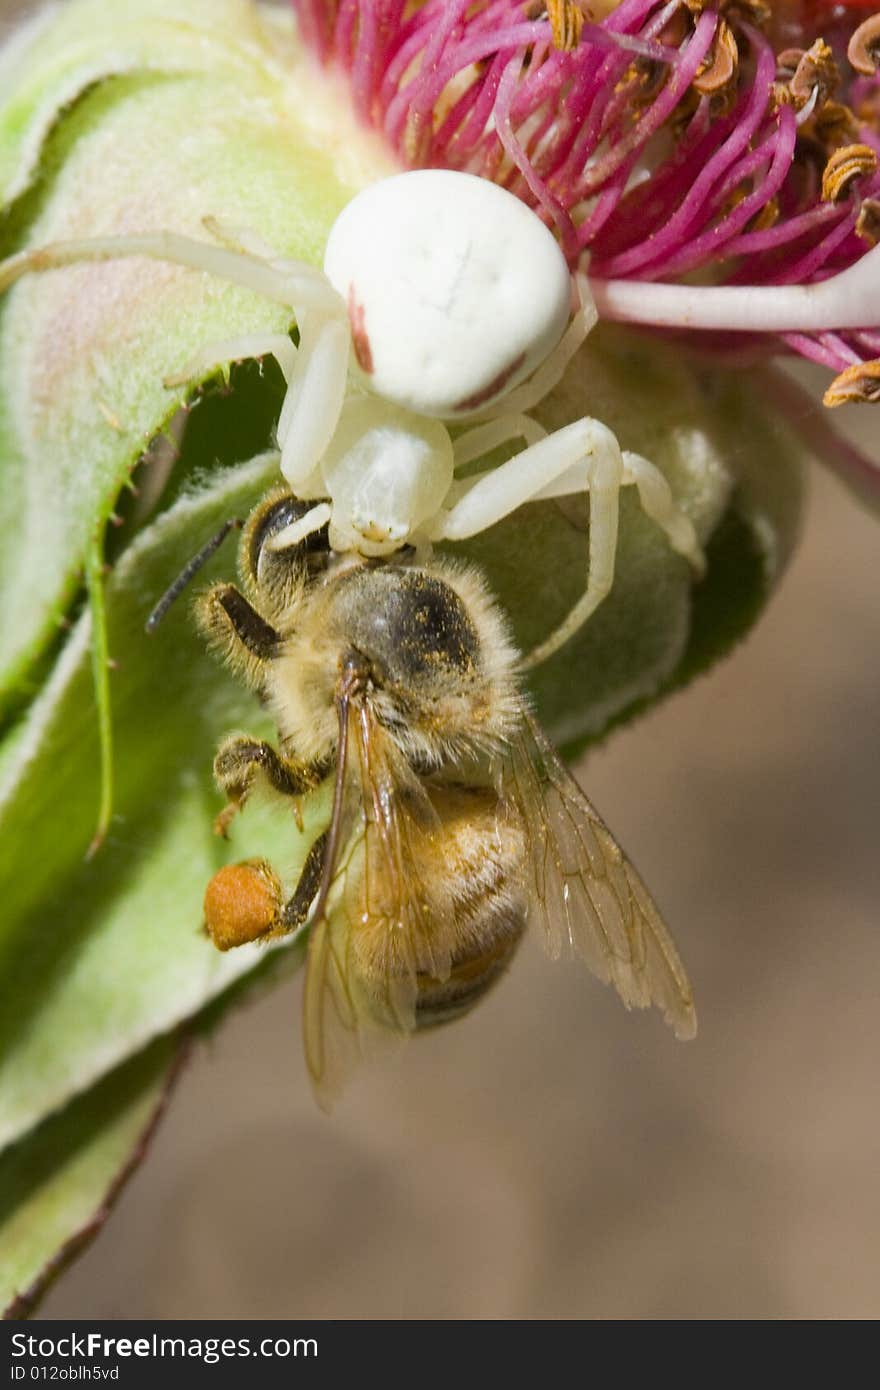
x,y
410,625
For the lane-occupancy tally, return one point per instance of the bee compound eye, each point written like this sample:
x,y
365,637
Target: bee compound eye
x,y
275,518
456,290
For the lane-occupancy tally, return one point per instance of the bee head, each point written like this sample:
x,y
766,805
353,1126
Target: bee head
x,y
268,566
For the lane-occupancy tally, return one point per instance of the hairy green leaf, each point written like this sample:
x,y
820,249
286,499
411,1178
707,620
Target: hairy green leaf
x,y
58,1185
98,958
62,52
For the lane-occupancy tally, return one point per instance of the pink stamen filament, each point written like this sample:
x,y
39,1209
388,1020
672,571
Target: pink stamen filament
x,y
586,137
850,299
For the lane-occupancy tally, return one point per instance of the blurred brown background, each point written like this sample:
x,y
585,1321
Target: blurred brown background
x,y
552,1156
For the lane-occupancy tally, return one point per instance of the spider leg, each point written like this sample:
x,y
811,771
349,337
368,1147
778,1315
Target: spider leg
x,y
656,499
239,238
588,446
316,375
298,531
315,386
297,286
476,442
495,493
216,355
315,395
658,503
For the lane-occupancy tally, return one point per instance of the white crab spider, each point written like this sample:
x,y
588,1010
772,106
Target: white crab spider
x,y
444,299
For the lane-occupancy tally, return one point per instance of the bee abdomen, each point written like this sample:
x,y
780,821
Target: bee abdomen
x,y
496,931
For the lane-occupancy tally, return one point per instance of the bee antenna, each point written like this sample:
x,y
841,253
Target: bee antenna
x,y
189,571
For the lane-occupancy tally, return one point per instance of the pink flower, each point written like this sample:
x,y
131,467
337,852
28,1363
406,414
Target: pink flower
x,y
718,162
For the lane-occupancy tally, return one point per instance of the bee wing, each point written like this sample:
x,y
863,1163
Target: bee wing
x,y
344,1023
370,934
588,895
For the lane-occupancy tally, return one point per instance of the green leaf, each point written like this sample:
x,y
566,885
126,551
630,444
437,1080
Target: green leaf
x,y
59,1184
98,958
60,53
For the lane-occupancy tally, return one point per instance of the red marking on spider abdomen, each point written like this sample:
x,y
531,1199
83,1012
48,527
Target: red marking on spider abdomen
x,y
493,388
357,318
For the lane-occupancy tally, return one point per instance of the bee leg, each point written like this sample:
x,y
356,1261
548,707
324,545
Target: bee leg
x,y
242,762
241,634
243,901
296,909
224,819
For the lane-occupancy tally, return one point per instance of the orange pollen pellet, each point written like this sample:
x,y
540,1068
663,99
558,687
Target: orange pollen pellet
x,y
242,903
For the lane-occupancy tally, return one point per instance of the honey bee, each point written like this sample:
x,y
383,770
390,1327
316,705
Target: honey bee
x,y
454,822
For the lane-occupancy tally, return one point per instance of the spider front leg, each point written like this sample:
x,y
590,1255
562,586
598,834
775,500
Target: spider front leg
x,y
656,499
297,286
315,395
482,439
658,503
